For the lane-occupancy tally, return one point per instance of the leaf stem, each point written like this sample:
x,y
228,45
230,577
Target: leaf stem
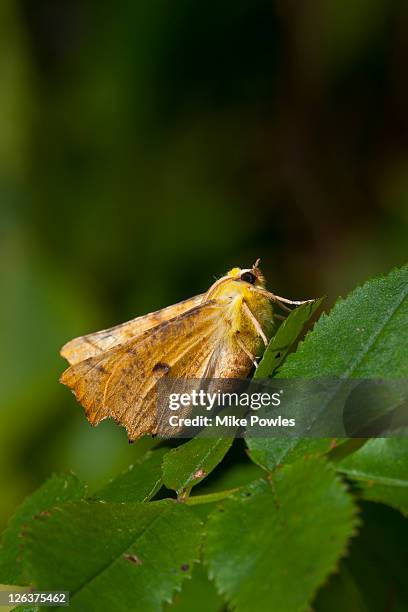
x,y
210,498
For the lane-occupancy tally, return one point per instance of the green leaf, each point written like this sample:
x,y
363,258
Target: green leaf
x,y
269,453
361,337
114,556
57,489
271,546
285,337
188,464
380,468
140,482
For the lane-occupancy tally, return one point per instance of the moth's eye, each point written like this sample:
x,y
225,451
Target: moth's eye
x,y
248,277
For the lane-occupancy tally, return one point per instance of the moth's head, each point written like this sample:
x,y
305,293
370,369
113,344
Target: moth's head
x,y
250,276
247,283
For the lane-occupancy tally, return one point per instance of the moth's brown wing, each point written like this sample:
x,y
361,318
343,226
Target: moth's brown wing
x,y
120,383
81,348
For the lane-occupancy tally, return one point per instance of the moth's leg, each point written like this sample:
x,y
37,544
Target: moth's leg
x,y
280,300
294,302
279,317
255,322
246,351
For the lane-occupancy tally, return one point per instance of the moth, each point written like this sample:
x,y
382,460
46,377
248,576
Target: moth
x,y
217,334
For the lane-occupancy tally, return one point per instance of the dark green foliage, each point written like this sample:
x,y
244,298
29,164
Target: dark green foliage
x,y
372,577
276,539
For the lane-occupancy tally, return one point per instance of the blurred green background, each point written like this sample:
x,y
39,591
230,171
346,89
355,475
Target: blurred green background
x,y
147,146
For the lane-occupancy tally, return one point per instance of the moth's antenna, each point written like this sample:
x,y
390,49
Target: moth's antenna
x,y
256,264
